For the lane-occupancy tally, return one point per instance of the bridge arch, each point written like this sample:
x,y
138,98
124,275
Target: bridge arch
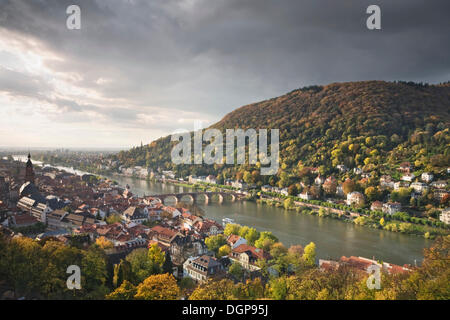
x,y
182,197
171,198
205,196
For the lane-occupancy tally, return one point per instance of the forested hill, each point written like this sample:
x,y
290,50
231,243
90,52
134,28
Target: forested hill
x,y
371,124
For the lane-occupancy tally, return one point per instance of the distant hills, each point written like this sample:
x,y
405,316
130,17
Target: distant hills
x,y
370,124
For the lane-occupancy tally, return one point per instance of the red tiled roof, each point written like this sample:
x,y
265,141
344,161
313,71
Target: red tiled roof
x,y
233,238
24,219
356,262
258,253
164,231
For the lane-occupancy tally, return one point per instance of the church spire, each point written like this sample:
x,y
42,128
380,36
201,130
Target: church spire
x,y
29,172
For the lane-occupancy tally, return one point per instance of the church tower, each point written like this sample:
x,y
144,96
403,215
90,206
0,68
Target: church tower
x,y
29,172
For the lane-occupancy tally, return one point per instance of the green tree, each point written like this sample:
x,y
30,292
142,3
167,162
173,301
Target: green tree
x,y
122,272
214,290
288,203
372,193
243,231
168,265
126,291
266,240
94,273
224,250
114,218
215,242
156,257
236,270
251,236
309,255
141,266
231,228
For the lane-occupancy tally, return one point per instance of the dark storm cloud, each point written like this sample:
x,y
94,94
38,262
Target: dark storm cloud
x,y
215,55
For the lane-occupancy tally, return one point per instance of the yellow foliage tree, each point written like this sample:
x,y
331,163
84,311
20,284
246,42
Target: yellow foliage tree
x,y
104,243
158,287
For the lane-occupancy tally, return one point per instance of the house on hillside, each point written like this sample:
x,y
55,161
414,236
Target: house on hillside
x,y
202,268
405,167
247,256
376,206
235,241
409,177
355,197
445,216
427,177
392,207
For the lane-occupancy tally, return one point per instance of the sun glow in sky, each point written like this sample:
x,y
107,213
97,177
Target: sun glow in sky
x,y
41,106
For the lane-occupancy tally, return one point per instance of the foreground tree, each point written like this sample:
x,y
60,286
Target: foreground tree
x,y
158,287
126,291
214,290
122,272
236,270
141,266
156,257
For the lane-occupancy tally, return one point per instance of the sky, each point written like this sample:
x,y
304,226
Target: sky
x,y
139,70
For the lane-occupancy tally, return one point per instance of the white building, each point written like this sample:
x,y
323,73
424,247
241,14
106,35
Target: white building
x,y
401,184
211,179
439,184
445,216
35,208
239,184
340,190
408,177
202,268
319,180
391,207
355,197
419,186
386,181
305,196
427,177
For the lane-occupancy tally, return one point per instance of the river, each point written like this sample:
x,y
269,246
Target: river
x,y
333,238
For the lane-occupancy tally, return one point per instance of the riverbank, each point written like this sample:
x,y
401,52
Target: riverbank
x,y
399,222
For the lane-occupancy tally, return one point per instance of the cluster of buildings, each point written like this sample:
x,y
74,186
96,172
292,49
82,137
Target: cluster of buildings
x,y
268,188
419,186
202,179
70,205
362,265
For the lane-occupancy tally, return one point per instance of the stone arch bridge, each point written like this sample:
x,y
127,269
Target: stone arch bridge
x,y
200,197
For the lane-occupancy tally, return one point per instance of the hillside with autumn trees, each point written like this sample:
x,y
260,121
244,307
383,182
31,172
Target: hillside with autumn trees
x,y
374,125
